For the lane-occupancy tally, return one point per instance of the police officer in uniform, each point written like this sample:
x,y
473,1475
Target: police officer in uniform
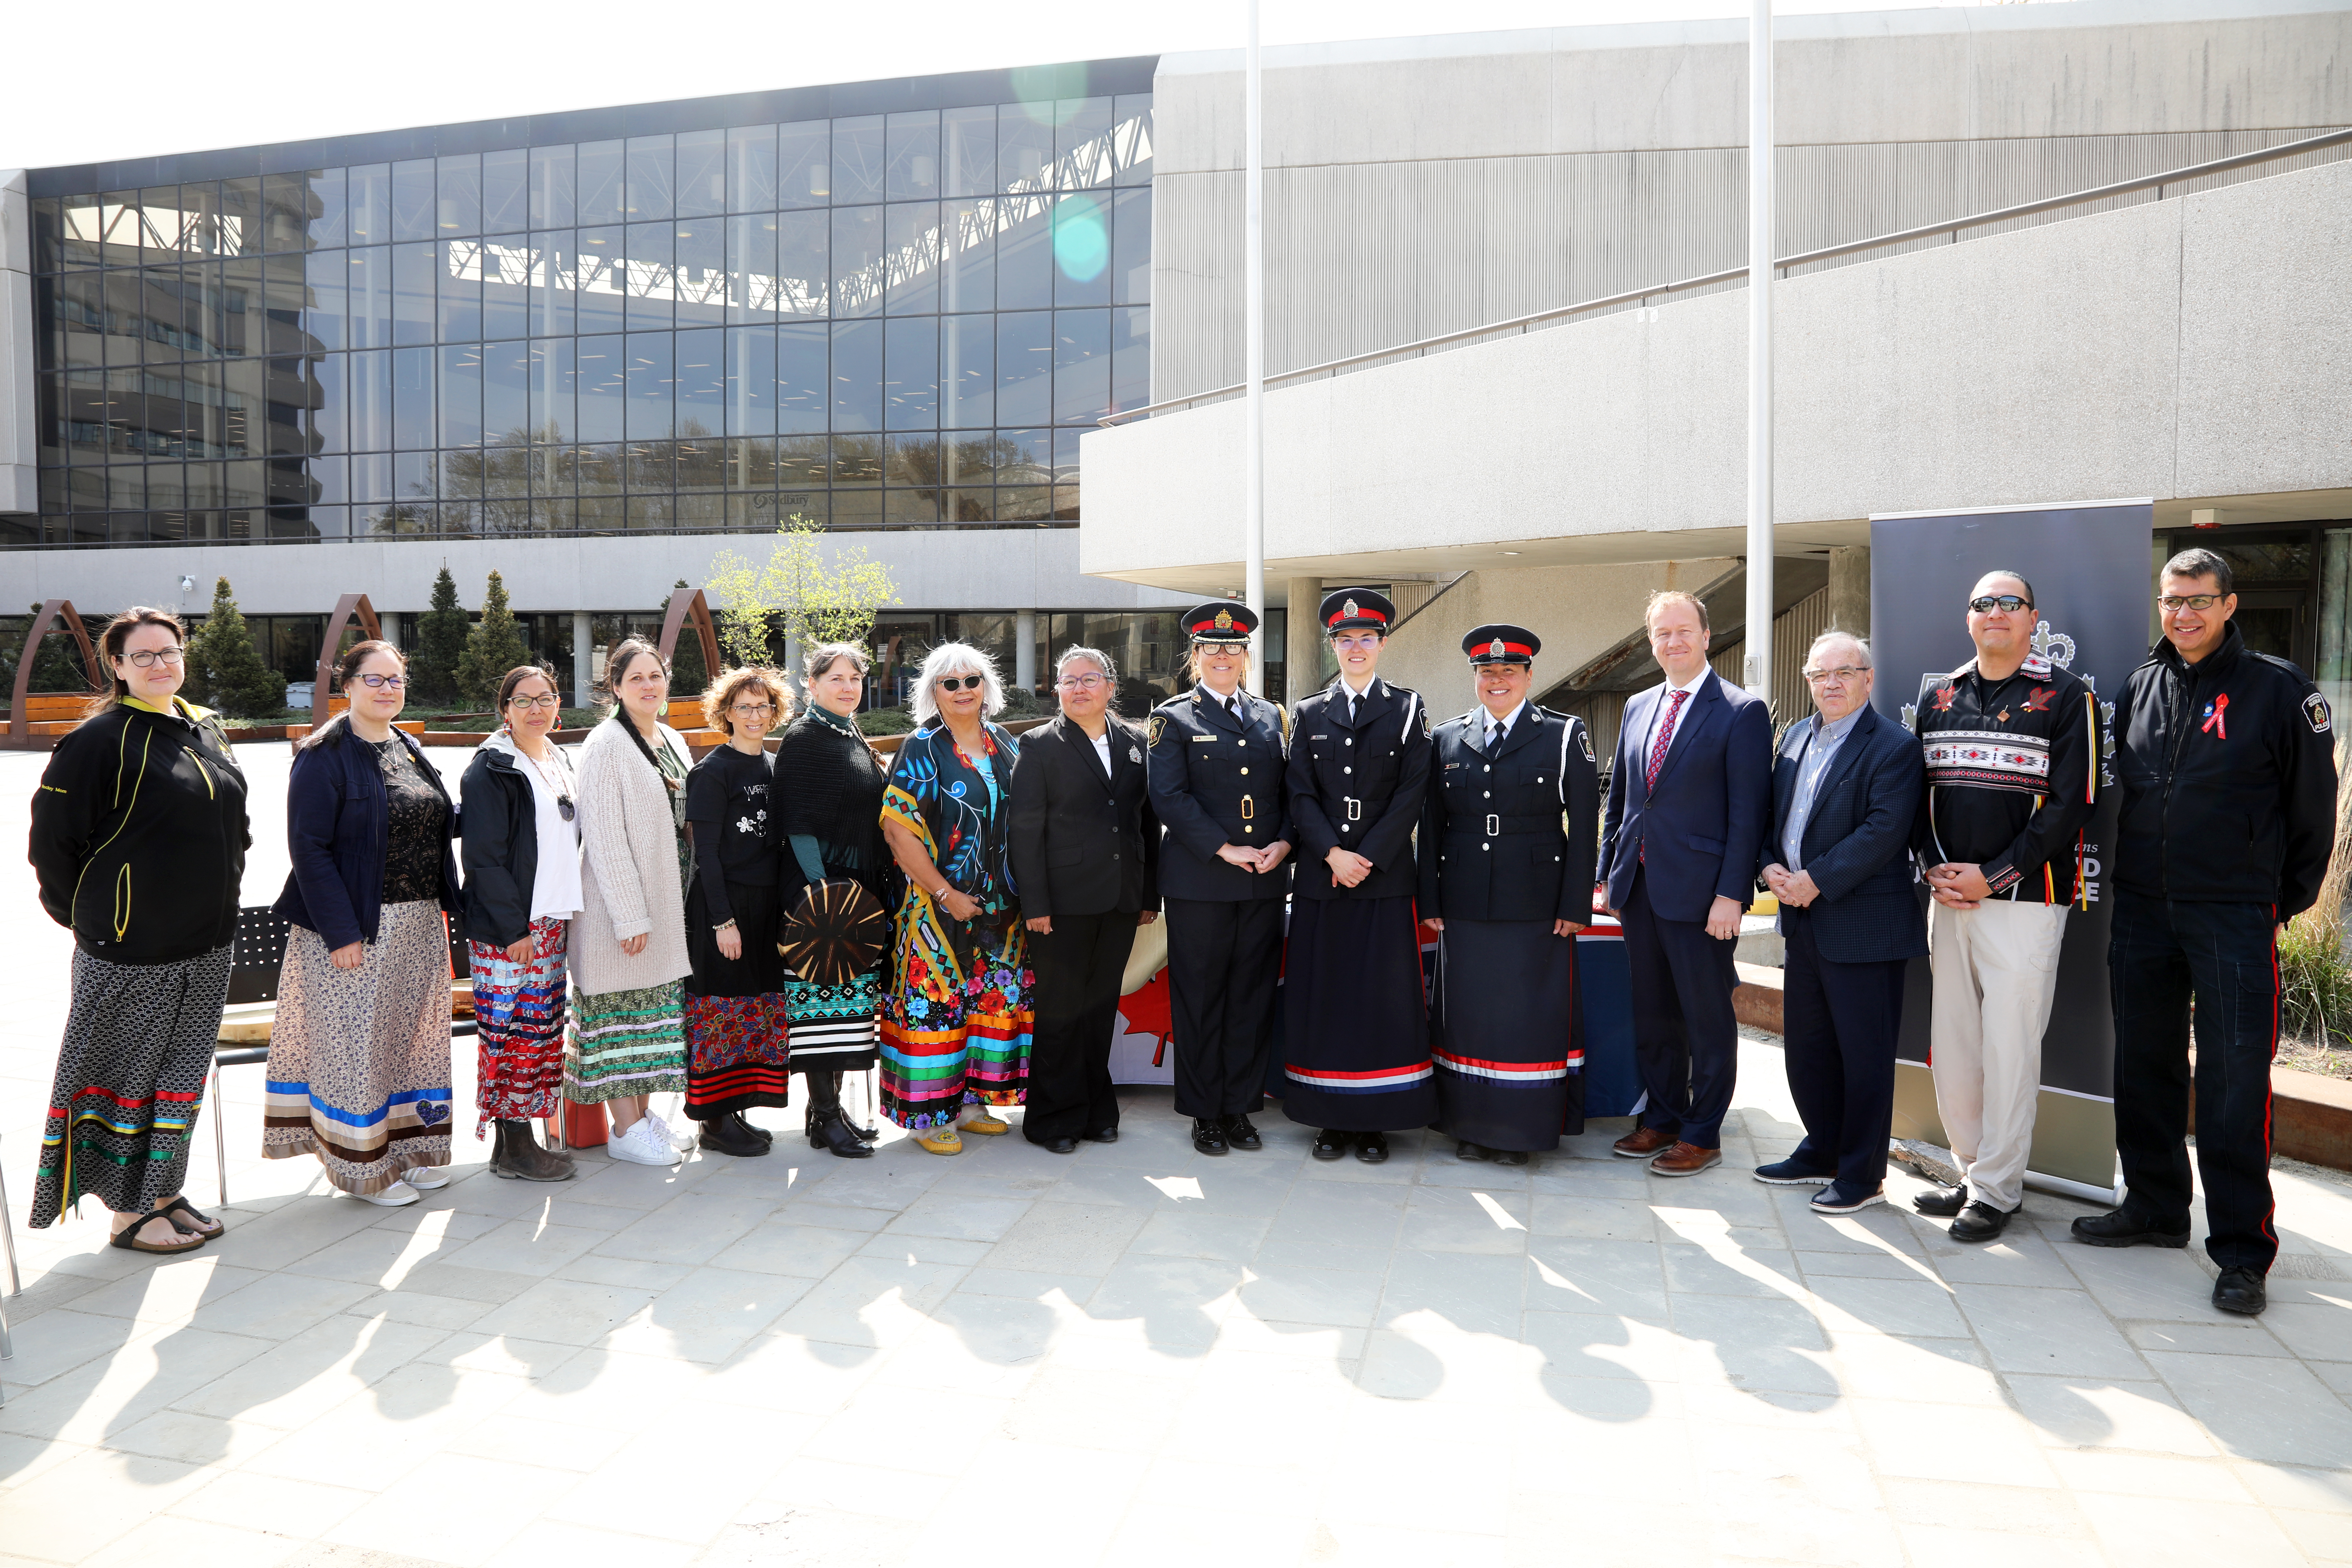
x,y
1356,1025
1507,842
1216,784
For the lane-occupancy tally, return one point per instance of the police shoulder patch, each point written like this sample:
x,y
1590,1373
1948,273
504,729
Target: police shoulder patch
x,y
2315,713
1158,723
1584,738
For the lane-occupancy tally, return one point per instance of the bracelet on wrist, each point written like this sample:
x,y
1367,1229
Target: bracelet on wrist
x,y
724,925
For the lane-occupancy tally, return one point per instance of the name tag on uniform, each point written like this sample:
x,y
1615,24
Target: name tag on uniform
x,y
1205,740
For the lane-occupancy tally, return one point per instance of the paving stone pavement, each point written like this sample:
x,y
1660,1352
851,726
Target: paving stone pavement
x,y
1136,1354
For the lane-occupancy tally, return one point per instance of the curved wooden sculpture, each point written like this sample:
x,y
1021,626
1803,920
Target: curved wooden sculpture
x,y
20,736
350,607
688,603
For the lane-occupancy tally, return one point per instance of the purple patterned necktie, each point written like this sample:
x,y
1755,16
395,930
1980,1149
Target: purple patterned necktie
x,y
1666,738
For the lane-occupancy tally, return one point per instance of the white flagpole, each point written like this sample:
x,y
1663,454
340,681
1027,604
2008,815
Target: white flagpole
x,y
1757,675
1254,369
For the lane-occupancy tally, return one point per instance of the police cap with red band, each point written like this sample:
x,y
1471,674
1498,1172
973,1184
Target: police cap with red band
x,y
1219,620
1500,644
1353,608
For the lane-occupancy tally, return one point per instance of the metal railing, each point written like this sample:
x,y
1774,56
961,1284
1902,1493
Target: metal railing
x,y
1733,274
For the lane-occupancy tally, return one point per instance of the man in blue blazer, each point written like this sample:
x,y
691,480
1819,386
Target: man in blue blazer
x,y
1689,795
1846,789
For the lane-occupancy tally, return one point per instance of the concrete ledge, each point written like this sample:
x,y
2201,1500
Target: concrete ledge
x,y
1756,1000
2311,1117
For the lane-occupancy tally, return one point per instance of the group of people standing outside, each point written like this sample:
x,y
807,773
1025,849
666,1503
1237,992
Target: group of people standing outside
x,y
625,910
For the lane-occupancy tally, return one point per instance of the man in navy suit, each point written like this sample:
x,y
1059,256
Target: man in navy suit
x,y
1845,791
1689,795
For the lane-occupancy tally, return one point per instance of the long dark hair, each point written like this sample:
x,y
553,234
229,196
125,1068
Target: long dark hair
x,y
110,647
347,669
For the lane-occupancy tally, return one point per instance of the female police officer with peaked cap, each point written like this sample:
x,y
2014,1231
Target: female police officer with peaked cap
x,y
1507,840
1216,784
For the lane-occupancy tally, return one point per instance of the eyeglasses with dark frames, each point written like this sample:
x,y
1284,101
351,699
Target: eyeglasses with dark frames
x,y
962,682
147,658
1984,604
381,682
537,705
2177,601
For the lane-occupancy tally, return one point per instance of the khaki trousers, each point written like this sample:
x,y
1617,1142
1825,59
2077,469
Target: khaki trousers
x,y
1996,972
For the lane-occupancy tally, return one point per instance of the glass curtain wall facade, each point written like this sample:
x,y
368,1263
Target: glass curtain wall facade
x,y
891,320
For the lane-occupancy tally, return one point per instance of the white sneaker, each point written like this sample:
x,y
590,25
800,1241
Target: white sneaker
x,y
681,1141
646,1143
391,1197
426,1178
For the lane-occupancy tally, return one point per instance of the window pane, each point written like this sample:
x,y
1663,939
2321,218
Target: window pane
x,y
701,383
751,168
1025,253
1024,367
506,191
1131,357
241,307
652,380
751,268
970,151
370,297
506,394
506,286
857,160
1082,142
857,375
412,303
460,279
856,459
914,142
371,407
911,243
326,276
371,478
803,162
324,209
1081,366
412,422
412,199
650,197
911,371
1131,136
701,173
552,378
328,423
551,187
600,182
553,278
967,259
602,278
1081,251
700,282
857,269
240,209
967,370
1025,147
461,395
289,397
460,208
602,387
803,264
651,280
751,381
804,386
1131,255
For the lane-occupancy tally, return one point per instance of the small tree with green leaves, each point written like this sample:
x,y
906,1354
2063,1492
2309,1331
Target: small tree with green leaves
x,y
441,634
227,668
494,646
816,600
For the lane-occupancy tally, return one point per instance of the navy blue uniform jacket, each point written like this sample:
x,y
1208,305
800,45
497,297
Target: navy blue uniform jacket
x,y
1359,786
1217,780
1856,840
1701,828
1511,837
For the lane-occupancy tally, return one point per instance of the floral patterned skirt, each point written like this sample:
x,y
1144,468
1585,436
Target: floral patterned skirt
x,y
946,1045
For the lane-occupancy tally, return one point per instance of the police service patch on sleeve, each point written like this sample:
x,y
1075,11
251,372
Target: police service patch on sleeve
x,y
1159,722
2315,710
1585,737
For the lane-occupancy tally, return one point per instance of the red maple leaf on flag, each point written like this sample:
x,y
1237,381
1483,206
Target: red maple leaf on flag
x,y
1146,1012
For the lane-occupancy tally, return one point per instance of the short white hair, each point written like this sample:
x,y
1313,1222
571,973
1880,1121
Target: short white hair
x,y
1833,635
956,658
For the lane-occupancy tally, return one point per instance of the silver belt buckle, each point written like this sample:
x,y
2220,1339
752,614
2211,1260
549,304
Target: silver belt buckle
x,y
1494,825
1355,808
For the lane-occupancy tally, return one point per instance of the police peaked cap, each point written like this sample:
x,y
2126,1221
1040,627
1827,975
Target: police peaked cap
x,y
1219,620
1352,607
1502,644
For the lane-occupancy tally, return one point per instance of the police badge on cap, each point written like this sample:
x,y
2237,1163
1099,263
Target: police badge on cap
x,y
1351,608
1501,643
1219,620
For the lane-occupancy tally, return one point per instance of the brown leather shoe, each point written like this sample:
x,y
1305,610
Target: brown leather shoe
x,y
1685,1159
1642,1142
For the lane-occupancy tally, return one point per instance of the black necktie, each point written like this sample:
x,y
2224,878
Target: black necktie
x,y
1494,733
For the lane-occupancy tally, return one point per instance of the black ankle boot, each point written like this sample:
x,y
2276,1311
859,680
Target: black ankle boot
x,y
743,1125
868,1133
834,1134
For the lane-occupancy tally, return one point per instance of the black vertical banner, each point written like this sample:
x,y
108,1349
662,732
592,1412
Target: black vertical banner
x,y
2089,564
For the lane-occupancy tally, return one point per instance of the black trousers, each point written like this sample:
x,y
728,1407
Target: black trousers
x,y
1839,1023
1079,965
1224,958
2160,954
1685,1037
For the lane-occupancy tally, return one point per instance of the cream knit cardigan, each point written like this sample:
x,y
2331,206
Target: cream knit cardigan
x,y
628,879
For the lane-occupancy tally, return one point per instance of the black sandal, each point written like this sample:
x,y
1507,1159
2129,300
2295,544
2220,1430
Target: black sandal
x,y
182,1206
127,1238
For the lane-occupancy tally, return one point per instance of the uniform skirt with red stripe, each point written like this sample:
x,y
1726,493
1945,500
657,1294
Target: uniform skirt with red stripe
x,y
737,1036
1356,1025
1509,1068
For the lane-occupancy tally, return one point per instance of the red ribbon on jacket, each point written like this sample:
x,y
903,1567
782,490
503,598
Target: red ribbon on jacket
x,y
2218,724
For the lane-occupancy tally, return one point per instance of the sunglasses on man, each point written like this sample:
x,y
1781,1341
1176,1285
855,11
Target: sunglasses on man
x,y
1987,604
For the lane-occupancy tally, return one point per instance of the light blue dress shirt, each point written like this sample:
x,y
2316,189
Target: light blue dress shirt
x,y
1811,764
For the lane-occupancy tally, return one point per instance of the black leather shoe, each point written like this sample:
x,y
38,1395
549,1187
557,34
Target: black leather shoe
x,y
1465,1149
1943,1203
1981,1222
1510,1157
761,1134
724,1137
2241,1290
1208,1136
1241,1135
832,1133
1329,1146
1062,1145
1101,1135
1371,1148
2118,1229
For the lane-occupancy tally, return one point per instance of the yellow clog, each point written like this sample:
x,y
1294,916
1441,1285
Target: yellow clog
x,y
941,1140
